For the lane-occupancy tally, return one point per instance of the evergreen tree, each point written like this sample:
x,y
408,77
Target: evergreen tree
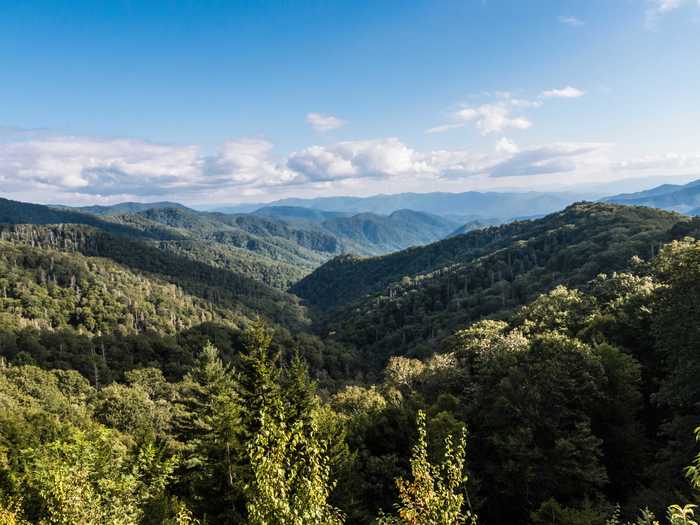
x,y
208,425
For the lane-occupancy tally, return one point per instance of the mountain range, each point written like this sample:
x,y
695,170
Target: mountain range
x,y
683,198
459,206
276,246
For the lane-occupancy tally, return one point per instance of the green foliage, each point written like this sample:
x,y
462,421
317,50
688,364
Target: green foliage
x,y
434,495
291,474
208,424
552,513
416,299
90,478
676,327
580,386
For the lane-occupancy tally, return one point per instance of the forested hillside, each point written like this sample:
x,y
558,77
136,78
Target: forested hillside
x,y
376,234
124,208
540,372
570,236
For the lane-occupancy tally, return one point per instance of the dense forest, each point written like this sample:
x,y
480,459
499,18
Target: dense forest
x,y
538,372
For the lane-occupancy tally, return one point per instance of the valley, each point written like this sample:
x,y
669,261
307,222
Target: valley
x,y
389,314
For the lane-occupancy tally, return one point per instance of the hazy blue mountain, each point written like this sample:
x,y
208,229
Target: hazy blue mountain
x,y
292,213
474,204
681,198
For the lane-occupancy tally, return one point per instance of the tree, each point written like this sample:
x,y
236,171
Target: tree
x,y
289,481
433,496
675,322
93,479
291,476
208,424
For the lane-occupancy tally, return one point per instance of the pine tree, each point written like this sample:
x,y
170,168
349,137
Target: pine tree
x,y
208,424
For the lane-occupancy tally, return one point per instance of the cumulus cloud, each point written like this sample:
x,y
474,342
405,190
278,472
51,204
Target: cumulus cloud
x,y
357,159
246,161
96,166
566,92
494,117
488,119
104,168
571,21
323,123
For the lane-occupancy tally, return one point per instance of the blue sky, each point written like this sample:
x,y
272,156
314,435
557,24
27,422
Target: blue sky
x,y
224,101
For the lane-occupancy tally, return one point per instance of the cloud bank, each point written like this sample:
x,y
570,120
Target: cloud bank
x,y
83,169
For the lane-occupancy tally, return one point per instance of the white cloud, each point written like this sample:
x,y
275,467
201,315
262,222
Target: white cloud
x,y
246,161
554,158
566,92
323,123
571,21
505,145
488,118
82,169
80,166
493,117
358,159
94,165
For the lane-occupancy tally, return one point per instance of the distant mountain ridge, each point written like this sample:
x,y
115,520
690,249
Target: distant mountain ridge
x,y
501,205
295,213
277,246
682,198
122,207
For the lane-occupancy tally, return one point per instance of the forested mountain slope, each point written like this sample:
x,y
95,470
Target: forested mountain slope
x,y
274,240
580,230
228,289
266,256
567,344
123,207
378,234
413,299
15,212
74,297
296,240
43,288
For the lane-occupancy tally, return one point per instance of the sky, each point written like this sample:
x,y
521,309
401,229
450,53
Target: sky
x,y
224,101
